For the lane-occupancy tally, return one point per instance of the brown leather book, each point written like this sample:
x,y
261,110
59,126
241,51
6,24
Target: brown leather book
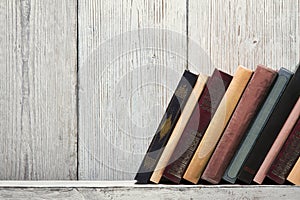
x,y
277,145
294,176
204,111
180,125
217,124
254,95
287,157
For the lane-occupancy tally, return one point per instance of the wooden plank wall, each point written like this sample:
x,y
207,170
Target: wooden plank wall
x,y
129,55
126,77
38,123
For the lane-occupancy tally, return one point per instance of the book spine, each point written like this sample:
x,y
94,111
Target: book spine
x,y
277,145
166,126
198,123
177,131
217,124
256,127
287,157
271,130
294,176
248,106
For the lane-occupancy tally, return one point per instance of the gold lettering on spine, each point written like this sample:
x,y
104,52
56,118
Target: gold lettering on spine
x,y
181,92
149,163
165,127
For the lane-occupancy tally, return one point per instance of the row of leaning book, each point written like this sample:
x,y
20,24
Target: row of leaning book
x,y
243,128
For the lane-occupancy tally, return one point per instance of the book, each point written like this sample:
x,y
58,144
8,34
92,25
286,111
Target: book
x,y
294,176
257,126
166,126
207,105
178,129
277,145
271,129
217,124
287,157
250,102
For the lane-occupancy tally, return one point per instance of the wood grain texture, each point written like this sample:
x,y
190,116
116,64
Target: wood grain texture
x,y
130,191
126,78
126,74
252,32
38,90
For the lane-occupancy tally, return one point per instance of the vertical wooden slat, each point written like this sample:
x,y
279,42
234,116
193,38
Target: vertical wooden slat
x,y
38,90
248,32
126,77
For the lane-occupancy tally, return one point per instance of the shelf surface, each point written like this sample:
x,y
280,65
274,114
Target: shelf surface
x,y
79,190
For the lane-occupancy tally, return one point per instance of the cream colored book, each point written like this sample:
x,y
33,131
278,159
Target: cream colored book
x,y
218,124
178,129
294,176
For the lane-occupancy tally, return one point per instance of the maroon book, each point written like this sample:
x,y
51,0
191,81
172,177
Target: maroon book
x,y
287,157
254,95
197,125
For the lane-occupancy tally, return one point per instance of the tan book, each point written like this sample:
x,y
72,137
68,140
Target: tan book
x,y
218,124
178,130
294,176
277,145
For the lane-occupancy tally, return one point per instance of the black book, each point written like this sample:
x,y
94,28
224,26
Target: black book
x,y
271,129
166,126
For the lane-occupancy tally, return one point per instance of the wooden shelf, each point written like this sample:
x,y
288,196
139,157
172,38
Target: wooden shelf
x,y
128,190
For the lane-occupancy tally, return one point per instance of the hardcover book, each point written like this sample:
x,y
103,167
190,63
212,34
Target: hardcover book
x,y
271,129
217,124
177,131
277,145
248,106
287,157
294,176
197,124
166,126
257,126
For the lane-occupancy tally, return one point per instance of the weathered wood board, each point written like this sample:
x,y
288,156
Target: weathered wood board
x,y
234,32
124,89
131,56
127,190
38,123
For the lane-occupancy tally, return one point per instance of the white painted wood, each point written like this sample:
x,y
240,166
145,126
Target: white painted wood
x,y
126,77
127,74
122,184
234,32
38,90
128,190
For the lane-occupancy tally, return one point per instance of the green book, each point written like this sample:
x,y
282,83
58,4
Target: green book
x,y
257,126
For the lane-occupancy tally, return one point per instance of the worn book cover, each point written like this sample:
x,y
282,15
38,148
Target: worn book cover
x,y
250,102
217,124
287,157
277,145
166,126
271,129
177,132
294,176
257,126
197,124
